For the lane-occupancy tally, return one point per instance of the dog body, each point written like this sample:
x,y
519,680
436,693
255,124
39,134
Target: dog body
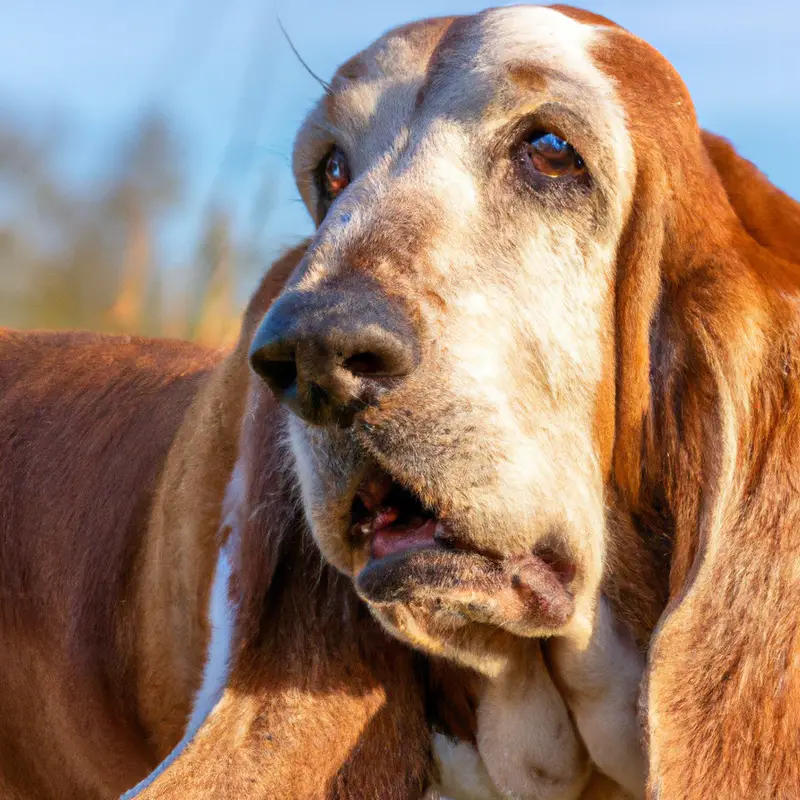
x,y
117,455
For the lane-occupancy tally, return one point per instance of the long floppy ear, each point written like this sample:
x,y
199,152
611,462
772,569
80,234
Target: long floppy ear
x,y
769,215
638,290
723,682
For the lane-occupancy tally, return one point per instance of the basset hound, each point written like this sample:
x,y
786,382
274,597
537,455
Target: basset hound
x,y
537,412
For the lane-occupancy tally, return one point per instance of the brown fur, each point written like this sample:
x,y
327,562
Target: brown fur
x,y
86,423
116,453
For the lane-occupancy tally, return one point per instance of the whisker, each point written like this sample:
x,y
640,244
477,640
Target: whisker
x,y
324,84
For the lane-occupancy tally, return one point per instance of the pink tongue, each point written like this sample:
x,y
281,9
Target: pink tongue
x,y
388,540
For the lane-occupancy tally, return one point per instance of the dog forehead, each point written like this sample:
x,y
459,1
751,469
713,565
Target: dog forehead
x,y
544,35
535,50
462,67
401,51
453,48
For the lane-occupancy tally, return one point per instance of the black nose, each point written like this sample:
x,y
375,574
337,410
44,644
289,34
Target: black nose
x,y
329,352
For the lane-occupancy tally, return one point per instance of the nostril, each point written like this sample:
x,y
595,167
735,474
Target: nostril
x,y
366,364
377,353
280,375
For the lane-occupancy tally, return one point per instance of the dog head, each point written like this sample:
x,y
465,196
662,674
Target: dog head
x,y
463,345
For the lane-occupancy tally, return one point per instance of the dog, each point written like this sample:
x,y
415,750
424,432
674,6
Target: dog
x,y
537,410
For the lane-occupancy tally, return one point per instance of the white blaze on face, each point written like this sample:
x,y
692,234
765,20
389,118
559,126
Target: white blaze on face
x,y
442,161
544,34
528,322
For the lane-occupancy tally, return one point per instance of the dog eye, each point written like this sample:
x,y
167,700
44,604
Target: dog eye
x,y
335,173
552,156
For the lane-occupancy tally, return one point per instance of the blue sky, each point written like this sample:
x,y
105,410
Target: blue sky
x,y
97,64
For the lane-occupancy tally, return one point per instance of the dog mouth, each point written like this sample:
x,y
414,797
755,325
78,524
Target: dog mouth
x,y
412,555
388,518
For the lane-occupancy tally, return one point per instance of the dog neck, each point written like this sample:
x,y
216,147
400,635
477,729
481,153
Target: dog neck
x,y
310,670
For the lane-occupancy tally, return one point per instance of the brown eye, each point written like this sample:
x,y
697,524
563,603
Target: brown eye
x,y
336,173
553,157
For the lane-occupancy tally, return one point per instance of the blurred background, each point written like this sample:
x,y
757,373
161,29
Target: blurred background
x,y
145,147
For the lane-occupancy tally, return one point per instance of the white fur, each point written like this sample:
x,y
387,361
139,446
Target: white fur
x,y
525,736
604,680
462,775
221,616
553,39
215,675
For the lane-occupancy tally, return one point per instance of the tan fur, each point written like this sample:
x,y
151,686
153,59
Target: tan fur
x,y
722,707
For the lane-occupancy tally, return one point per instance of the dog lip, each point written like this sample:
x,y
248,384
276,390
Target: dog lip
x,y
408,554
521,594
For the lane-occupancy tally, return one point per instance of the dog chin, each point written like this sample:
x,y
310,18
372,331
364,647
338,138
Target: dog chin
x,y
443,632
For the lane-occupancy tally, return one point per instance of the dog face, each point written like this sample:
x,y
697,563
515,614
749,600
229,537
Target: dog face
x,y
448,343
